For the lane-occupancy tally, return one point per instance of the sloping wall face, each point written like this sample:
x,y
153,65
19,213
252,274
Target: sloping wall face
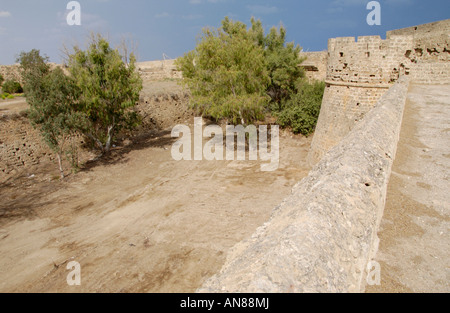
x,y
360,72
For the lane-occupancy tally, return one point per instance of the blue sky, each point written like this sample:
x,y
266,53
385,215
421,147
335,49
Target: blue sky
x,y
171,26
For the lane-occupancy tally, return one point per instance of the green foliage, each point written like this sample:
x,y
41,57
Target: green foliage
x,y
4,95
227,74
234,72
301,112
283,60
1,80
109,88
52,108
33,62
52,96
11,86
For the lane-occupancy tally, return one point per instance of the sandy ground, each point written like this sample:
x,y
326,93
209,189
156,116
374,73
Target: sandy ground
x,y
9,106
138,221
414,249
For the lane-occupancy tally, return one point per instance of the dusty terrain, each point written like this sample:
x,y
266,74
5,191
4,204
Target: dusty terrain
x,y
414,251
137,221
13,106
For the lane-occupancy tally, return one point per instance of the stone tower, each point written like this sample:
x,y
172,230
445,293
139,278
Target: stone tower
x,y
360,72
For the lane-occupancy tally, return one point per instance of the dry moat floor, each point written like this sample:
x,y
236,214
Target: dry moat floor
x,y
140,221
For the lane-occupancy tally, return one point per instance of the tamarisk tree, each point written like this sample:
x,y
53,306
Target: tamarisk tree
x,y
227,74
52,97
109,87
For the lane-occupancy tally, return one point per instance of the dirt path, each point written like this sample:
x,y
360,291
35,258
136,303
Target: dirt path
x,y
141,223
415,241
13,105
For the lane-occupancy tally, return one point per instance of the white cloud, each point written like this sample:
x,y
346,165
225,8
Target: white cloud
x,y
5,14
399,2
363,3
347,3
162,15
200,1
88,20
262,9
337,24
192,16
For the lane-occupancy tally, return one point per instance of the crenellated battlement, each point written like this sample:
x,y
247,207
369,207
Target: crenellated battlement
x,y
367,60
360,70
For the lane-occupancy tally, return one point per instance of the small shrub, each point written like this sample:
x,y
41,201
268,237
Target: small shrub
x,y
301,112
5,95
1,80
9,97
11,86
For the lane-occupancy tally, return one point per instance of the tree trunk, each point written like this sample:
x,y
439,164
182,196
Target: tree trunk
x,y
108,141
242,118
98,142
61,171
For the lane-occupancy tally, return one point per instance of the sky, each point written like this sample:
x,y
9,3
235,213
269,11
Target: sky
x,y
171,27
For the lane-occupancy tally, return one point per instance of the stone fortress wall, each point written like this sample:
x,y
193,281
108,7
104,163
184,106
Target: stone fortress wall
x,y
315,65
150,71
10,72
360,72
322,237
158,70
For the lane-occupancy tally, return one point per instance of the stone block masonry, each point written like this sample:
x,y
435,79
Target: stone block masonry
x,y
315,65
20,145
158,70
360,71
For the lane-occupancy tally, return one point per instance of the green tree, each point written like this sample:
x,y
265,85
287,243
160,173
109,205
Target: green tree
x,y
109,87
302,110
52,97
1,80
227,74
12,86
283,61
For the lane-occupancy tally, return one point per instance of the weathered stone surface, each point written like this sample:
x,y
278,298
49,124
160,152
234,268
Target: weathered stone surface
x,y
315,65
322,236
360,72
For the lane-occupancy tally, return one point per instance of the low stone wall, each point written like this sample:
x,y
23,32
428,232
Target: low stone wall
x,y
20,145
158,70
321,238
10,72
315,65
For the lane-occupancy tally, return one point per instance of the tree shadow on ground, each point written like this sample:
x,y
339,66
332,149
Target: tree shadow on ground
x,y
23,198
119,154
